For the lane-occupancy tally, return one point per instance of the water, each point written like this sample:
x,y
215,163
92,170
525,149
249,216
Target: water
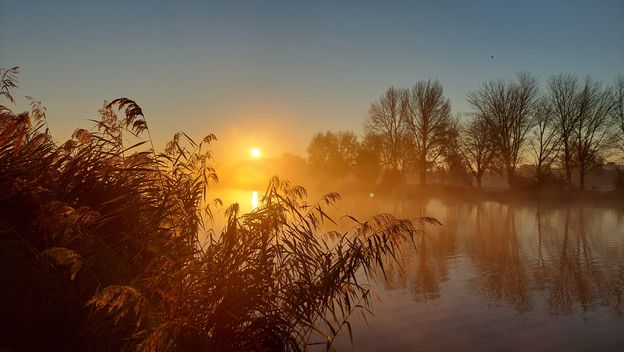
x,y
501,277
496,277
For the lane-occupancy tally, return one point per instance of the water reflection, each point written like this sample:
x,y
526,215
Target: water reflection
x,y
423,270
563,261
583,272
254,200
494,277
501,265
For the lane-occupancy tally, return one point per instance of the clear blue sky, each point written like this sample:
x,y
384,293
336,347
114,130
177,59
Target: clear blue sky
x,y
265,71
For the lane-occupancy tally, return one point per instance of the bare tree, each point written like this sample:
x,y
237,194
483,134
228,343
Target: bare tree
x,y
453,160
384,120
594,134
427,118
476,147
545,140
618,109
562,96
507,107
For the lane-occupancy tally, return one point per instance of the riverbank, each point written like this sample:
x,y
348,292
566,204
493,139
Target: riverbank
x,y
453,192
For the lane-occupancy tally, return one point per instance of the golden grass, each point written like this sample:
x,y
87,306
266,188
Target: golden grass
x,y
103,246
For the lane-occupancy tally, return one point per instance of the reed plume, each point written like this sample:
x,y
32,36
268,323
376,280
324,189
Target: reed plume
x,y
107,244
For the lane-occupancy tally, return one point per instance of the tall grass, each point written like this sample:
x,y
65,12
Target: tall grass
x,y
104,246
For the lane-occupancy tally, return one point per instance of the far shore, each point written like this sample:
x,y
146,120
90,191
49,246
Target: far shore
x,y
467,194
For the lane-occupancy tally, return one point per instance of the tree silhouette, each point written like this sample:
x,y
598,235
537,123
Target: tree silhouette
x,y
562,94
594,133
333,153
476,147
384,120
618,109
427,119
368,160
545,140
508,108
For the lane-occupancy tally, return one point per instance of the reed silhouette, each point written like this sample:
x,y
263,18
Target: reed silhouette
x,y
107,245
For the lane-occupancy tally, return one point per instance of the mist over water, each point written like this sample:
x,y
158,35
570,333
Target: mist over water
x,y
494,276
500,277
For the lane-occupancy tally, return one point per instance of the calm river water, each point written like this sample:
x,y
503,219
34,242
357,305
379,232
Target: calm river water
x,y
499,277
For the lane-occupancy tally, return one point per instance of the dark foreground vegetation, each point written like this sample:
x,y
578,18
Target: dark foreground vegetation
x,y
104,247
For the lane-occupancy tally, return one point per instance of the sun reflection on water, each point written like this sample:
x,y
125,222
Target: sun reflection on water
x,y
254,200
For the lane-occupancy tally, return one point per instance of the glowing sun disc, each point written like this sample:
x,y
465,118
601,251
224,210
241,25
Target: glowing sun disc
x,y
255,152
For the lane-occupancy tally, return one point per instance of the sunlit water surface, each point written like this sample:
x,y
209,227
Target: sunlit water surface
x,y
498,277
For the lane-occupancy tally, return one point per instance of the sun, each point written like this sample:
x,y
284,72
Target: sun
x,y
255,152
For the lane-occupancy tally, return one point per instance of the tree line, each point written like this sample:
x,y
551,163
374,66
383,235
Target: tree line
x,y
569,123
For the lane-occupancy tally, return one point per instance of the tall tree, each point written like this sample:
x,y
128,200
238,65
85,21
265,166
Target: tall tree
x,y
384,120
618,109
476,147
562,96
507,107
545,139
453,160
426,116
594,134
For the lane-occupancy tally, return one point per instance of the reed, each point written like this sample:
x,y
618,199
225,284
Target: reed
x,y
107,244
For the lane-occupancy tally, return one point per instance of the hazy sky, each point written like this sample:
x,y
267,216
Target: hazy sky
x,y
274,73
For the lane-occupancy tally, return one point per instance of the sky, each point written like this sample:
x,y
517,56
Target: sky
x,y
273,73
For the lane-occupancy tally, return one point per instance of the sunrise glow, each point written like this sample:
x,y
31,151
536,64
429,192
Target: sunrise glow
x,y
435,175
255,152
